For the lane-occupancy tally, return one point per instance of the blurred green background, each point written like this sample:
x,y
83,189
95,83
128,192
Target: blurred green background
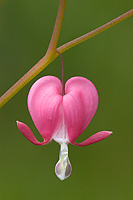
x,y
102,171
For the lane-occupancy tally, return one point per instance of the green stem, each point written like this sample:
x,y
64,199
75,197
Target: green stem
x,y
56,32
91,34
52,54
44,62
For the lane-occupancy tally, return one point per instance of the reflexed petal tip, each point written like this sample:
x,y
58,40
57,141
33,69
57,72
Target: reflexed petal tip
x,y
97,137
26,131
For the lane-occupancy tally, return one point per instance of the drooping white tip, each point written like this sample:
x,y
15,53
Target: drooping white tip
x,y
63,167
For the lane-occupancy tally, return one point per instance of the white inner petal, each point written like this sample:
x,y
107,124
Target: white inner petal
x,y
60,135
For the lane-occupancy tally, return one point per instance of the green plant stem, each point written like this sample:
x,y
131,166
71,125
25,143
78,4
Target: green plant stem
x,y
91,34
51,52
47,59
57,27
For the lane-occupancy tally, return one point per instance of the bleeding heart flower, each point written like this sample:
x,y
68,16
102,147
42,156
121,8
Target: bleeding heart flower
x,y
62,118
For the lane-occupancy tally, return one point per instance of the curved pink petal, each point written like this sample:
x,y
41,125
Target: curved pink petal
x,y
97,137
80,104
45,103
25,130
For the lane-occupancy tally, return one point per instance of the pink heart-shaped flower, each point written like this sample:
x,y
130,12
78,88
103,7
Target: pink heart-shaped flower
x,y
62,118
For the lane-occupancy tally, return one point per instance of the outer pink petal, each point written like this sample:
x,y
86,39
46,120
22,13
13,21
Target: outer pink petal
x,y
45,105
94,138
25,130
80,104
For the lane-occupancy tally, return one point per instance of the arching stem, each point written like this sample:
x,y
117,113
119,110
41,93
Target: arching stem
x,y
63,77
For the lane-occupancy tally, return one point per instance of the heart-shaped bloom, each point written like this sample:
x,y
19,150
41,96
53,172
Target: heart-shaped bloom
x,y
62,118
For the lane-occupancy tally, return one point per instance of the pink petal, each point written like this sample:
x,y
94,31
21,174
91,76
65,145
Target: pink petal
x,y
25,130
80,104
94,138
45,103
